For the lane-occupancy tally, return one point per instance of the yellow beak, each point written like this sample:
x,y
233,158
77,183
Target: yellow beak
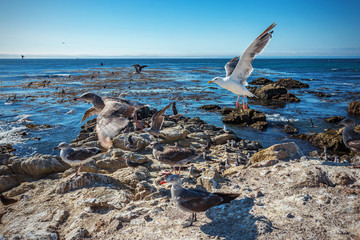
x,y
210,81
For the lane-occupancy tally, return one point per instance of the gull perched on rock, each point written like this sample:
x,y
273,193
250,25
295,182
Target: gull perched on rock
x,y
113,114
173,155
238,70
76,156
195,200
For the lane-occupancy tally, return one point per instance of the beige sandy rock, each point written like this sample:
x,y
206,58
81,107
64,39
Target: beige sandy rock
x,y
278,152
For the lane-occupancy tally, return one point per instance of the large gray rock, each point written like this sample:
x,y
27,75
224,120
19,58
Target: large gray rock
x,y
42,165
7,182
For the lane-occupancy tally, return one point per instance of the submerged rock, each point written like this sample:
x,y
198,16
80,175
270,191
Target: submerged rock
x,y
211,108
281,151
334,119
290,129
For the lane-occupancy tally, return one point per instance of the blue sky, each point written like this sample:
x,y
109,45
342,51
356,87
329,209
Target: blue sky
x,y
171,28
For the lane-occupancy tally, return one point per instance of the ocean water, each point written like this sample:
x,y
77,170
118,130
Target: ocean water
x,y
185,79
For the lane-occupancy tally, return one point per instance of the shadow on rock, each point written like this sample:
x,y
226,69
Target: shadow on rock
x,y
234,221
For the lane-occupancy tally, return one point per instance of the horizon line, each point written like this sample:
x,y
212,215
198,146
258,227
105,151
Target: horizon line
x,y
173,57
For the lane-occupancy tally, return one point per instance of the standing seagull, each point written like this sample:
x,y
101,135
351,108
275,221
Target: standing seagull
x,y
350,138
237,71
138,68
172,155
156,123
195,200
76,156
113,114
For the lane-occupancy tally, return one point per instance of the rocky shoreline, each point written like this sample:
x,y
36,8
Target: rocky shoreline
x,y
283,193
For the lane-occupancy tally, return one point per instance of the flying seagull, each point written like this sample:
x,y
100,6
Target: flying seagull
x,y
239,69
156,122
195,200
76,156
138,68
113,114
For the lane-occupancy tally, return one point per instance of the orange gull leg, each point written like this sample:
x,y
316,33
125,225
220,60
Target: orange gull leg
x,y
237,102
244,103
137,122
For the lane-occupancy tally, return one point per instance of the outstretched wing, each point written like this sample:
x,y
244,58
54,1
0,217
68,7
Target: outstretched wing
x,y
244,68
82,153
88,113
230,66
111,120
158,118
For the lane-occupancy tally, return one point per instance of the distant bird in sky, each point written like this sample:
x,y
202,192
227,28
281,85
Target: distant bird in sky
x,y
22,56
138,68
238,70
195,200
76,156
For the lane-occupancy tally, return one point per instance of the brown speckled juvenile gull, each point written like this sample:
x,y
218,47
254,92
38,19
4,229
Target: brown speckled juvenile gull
x,y
113,114
195,200
237,71
174,156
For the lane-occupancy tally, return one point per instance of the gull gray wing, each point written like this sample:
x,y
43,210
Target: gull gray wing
x,y
82,153
197,200
244,68
88,113
354,145
158,118
127,101
230,66
111,120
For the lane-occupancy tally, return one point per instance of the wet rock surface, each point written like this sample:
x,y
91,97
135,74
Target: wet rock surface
x,y
354,108
261,81
275,92
334,119
249,117
330,138
290,83
211,108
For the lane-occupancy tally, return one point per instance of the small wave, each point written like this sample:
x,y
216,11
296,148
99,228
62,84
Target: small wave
x,y
278,118
11,135
60,75
23,118
334,69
